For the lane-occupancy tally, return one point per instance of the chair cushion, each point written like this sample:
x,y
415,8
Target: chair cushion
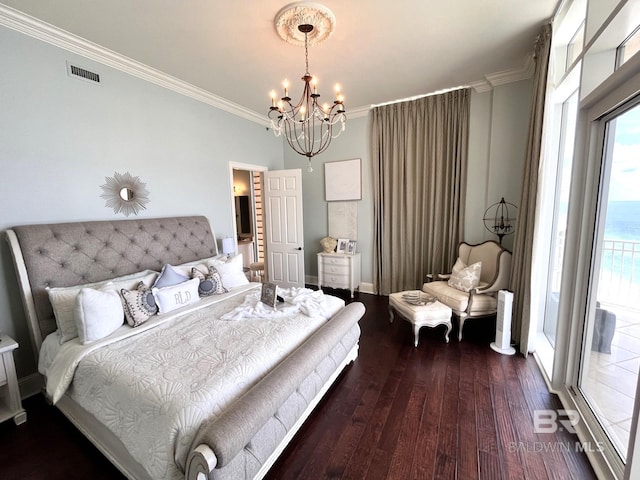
x,y
459,300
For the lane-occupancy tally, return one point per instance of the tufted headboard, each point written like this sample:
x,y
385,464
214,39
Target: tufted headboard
x,y
66,254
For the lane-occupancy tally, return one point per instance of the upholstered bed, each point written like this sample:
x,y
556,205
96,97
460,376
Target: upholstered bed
x,y
214,385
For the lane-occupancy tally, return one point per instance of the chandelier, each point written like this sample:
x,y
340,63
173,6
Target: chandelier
x,y
500,219
308,125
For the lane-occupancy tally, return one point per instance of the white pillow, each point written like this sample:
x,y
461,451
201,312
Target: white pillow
x,y
98,313
466,278
202,265
176,296
63,299
231,272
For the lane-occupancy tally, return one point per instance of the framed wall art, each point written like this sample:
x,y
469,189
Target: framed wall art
x,y
342,180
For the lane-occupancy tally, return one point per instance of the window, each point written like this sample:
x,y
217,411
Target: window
x,y
628,48
575,46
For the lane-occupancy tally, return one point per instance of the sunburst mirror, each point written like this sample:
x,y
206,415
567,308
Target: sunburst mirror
x,y
125,193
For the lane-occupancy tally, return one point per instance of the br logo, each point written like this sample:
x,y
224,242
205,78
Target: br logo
x,y
549,421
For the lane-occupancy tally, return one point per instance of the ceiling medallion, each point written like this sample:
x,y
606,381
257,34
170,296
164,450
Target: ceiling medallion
x,y
308,125
290,17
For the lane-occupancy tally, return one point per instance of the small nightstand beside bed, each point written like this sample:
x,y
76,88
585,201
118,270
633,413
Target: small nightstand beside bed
x,y
214,385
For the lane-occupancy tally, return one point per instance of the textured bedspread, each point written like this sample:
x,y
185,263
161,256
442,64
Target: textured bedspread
x,y
154,389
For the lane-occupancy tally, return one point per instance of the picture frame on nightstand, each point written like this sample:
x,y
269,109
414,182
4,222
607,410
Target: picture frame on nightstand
x,y
269,295
351,247
343,243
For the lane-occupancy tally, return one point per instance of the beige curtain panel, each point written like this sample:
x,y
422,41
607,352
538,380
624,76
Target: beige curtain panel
x,y
419,158
525,224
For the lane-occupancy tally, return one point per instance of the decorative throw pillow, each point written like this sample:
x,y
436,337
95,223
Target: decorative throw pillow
x,y
231,272
466,278
202,265
459,265
176,296
99,313
63,299
169,276
210,284
139,304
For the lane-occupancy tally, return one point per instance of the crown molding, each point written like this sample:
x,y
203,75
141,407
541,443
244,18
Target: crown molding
x,y
40,30
359,112
503,77
45,32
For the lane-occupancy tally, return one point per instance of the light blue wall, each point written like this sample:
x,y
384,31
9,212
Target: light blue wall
x,y
497,135
352,143
60,137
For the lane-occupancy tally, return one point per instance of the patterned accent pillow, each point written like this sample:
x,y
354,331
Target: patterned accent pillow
x,y
139,304
466,278
459,265
210,284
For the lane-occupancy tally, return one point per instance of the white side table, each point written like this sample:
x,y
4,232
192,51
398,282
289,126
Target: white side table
x,y
10,403
339,270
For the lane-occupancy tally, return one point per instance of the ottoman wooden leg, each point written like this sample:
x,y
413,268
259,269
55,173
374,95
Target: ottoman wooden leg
x,y
446,334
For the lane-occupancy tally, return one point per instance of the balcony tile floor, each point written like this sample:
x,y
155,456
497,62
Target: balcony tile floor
x,y
612,378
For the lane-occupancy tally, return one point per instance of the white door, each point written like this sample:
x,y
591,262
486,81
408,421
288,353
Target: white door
x,y
283,225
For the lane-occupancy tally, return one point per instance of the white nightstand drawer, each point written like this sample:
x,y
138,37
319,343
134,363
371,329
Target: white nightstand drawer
x,y
337,269
331,260
337,281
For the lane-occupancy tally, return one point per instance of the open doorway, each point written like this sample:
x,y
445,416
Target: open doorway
x,y
246,183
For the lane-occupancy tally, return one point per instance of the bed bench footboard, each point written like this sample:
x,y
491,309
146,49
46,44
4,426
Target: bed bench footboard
x,y
227,435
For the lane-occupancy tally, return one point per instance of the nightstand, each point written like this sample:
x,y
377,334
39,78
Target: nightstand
x,y
10,403
339,270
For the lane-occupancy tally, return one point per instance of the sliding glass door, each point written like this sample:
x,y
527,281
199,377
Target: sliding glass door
x,y
610,358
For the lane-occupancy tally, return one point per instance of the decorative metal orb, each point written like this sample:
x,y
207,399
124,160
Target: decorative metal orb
x,y
500,218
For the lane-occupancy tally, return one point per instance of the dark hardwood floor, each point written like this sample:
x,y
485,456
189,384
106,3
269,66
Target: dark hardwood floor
x,y
450,411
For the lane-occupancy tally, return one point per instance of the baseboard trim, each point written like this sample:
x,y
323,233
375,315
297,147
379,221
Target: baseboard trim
x,y
364,287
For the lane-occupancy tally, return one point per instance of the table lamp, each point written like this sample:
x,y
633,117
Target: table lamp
x,y
228,246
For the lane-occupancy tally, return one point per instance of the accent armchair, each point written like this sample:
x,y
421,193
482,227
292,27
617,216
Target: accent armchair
x,y
471,288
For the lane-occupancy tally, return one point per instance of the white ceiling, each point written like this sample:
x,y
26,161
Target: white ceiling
x,y
380,50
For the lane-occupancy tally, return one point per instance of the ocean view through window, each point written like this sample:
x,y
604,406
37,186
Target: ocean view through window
x,y
611,356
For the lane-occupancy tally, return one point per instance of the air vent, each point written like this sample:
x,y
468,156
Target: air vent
x,y
82,74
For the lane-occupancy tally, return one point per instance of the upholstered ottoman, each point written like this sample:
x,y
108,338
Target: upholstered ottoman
x,y
428,315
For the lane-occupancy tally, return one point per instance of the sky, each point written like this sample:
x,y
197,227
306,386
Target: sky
x,y
625,171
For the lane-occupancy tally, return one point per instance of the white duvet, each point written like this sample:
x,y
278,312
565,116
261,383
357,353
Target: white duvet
x,y
154,385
